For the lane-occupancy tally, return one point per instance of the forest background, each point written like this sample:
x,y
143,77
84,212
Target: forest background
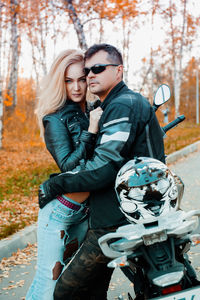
x,y
159,41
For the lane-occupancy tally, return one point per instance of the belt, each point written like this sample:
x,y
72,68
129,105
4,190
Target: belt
x,y
70,204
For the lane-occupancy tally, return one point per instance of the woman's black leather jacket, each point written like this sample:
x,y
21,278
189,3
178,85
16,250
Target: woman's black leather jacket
x,y
66,136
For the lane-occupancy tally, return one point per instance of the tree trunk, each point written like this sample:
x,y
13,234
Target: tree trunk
x,y
77,24
35,65
179,63
43,34
151,95
101,30
177,59
177,87
1,99
1,114
12,84
126,26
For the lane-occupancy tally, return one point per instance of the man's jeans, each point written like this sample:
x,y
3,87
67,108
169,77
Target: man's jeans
x,y
58,225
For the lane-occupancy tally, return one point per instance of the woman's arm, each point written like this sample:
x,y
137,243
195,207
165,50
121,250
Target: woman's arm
x,y
59,142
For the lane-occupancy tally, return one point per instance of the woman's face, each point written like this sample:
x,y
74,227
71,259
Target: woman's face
x,y
75,82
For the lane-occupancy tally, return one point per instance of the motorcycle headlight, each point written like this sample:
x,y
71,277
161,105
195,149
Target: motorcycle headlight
x,y
168,279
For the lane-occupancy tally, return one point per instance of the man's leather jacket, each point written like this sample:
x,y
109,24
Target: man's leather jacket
x,y
122,136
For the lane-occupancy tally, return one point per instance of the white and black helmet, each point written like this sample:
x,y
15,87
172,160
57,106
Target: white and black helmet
x,y
146,189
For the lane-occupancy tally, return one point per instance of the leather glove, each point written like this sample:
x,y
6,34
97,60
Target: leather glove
x,y
44,195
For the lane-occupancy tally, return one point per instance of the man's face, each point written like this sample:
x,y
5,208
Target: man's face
x,y
102,83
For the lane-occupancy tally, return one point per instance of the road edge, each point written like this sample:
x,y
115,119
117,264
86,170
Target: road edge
x,y
28,235
175,156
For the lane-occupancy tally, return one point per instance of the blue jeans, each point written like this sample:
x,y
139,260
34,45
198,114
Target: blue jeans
x,y
60,231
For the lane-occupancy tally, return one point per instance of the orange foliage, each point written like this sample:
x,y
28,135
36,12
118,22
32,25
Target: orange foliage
x,y
22,122
21,115
8,100
188,90
108,9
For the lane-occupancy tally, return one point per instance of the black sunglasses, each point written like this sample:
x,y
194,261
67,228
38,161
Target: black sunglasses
x,y
96,69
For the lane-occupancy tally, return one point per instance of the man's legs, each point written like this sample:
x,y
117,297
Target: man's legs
x,y
87,275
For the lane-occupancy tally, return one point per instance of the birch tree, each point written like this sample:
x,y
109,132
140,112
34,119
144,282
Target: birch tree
x,y
126,26
37,16
1,81
177,57
180,36
77,23
37,30
14,47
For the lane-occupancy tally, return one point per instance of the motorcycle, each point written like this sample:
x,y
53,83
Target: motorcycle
x,y
152,250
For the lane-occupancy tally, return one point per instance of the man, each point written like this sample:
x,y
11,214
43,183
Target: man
x,y
128,127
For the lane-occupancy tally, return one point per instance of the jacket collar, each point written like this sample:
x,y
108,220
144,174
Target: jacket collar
x,y
121,85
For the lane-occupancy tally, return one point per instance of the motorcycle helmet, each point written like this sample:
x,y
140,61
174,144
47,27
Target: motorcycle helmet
x,y
146,189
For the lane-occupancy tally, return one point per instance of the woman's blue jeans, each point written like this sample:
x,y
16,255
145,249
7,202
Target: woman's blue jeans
x,y
60,231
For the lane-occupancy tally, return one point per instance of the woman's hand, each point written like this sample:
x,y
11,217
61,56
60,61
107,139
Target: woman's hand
x,y
95,115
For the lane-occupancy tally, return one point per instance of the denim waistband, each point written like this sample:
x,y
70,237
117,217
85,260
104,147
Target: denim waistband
x,y
69,204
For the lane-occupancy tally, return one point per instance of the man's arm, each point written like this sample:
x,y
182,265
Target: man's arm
x,y
101,170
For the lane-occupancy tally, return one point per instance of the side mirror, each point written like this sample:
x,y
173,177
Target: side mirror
x,y
162,95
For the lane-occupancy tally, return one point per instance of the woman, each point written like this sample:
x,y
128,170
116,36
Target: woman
x,y
61,112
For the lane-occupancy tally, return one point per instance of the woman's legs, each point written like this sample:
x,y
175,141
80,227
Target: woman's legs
x,y
54,222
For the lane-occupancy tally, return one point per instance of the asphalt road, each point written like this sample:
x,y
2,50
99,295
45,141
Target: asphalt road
x,y
20,276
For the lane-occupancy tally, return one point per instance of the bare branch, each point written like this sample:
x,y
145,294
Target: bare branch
x,y
77,24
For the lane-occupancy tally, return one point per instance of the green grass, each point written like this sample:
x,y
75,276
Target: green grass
x,y
12,228
181,136
24,184
17,185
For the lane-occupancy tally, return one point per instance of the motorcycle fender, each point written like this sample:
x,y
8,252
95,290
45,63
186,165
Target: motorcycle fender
x,y
189,294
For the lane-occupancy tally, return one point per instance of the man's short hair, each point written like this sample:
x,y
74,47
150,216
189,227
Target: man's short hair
x,y
114,55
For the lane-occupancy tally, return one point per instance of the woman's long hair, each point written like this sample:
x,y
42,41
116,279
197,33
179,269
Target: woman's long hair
x,y
52,94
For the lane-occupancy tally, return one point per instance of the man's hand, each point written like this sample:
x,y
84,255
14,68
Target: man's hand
x,y
44,196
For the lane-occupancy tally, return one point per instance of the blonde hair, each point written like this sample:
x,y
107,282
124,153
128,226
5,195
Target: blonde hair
x,y
52,93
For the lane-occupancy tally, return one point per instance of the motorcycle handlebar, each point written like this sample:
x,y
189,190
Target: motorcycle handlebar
x,y
173,123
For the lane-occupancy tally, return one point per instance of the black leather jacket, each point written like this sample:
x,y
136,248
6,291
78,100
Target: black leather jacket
x,y
122,136
66,136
